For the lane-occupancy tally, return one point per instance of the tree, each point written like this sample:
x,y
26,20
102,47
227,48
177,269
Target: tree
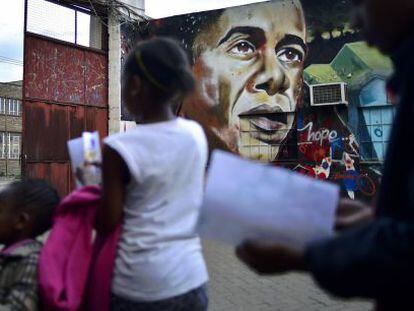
x,y
327,15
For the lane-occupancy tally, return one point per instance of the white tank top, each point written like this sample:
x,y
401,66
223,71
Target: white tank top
x,y
159,254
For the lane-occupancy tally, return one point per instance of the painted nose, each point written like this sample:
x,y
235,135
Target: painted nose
x,y
272,79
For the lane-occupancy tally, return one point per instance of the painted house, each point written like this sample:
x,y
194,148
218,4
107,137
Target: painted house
x,y
357,78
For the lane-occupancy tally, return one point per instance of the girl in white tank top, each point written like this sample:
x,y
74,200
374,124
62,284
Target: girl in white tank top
x,y
153,183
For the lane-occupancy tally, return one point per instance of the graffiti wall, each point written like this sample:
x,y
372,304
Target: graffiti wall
x,y
284,82
329,150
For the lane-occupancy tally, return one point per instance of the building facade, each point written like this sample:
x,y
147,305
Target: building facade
x,y
10,130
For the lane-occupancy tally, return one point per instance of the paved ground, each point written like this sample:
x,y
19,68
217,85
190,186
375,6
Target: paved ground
x,y
234,288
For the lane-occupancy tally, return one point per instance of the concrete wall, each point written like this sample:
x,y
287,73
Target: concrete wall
x,y
115,67
138,5
114,59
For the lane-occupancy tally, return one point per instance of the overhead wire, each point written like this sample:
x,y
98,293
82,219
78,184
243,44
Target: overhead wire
x,y
11,61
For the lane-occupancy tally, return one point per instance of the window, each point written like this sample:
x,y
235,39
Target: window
x,y
3,145
3,102
12,107
14,146
64,23
10,145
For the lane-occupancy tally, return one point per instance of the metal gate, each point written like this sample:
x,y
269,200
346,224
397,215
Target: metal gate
x,y
65,92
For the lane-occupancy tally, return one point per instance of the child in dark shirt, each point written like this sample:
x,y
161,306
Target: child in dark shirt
x,y
26,210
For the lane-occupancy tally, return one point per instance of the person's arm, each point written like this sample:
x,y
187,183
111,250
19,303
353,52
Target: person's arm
x,y
23,294
115,178
375,261
351,214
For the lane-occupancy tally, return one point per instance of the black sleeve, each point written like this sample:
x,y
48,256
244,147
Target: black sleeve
x,y
375,261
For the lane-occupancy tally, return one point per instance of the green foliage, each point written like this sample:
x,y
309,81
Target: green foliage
x,y
327,15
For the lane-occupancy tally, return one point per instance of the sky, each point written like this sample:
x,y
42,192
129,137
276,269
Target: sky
x,y
163,8
11,39
12,20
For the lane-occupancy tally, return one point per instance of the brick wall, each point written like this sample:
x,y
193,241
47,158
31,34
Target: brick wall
x,y
10,169
10,124
11,90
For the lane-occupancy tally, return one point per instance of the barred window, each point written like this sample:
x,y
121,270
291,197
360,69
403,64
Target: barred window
x,y
11,107
3,104
10,145
327,94
3,145
14,107
14,145
70,24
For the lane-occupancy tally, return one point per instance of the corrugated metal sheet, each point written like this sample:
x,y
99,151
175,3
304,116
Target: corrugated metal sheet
x,y
57,174
63,74
46,130
65,93
54,72
96,80
96,120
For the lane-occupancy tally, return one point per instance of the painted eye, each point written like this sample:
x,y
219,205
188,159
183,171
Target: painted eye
x,y
243,48
290,56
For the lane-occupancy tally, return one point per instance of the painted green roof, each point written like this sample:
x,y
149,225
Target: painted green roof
x,y
324,73
353,64
371,56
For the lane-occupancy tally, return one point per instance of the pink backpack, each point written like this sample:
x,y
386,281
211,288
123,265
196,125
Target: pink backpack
x,y
75,272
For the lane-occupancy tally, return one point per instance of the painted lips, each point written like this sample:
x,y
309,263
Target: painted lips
x,y
268,121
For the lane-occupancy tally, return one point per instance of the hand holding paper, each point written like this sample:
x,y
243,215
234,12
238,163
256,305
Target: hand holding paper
x,y
246,200
86,159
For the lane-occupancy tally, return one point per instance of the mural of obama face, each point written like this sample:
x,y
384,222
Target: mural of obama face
x,y
249,64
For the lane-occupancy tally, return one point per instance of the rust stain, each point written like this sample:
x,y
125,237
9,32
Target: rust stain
x,y
96,82
60,74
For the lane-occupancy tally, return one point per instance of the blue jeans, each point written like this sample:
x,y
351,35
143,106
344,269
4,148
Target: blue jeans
x,y
195,300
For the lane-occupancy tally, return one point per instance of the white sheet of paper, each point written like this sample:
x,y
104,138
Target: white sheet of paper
x,y
78,147
75,147
246,200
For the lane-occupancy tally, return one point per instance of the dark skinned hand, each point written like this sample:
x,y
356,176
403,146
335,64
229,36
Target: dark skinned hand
x,y
351,214
270,259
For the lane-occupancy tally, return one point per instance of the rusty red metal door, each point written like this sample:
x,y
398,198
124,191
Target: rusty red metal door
x,y
65,92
